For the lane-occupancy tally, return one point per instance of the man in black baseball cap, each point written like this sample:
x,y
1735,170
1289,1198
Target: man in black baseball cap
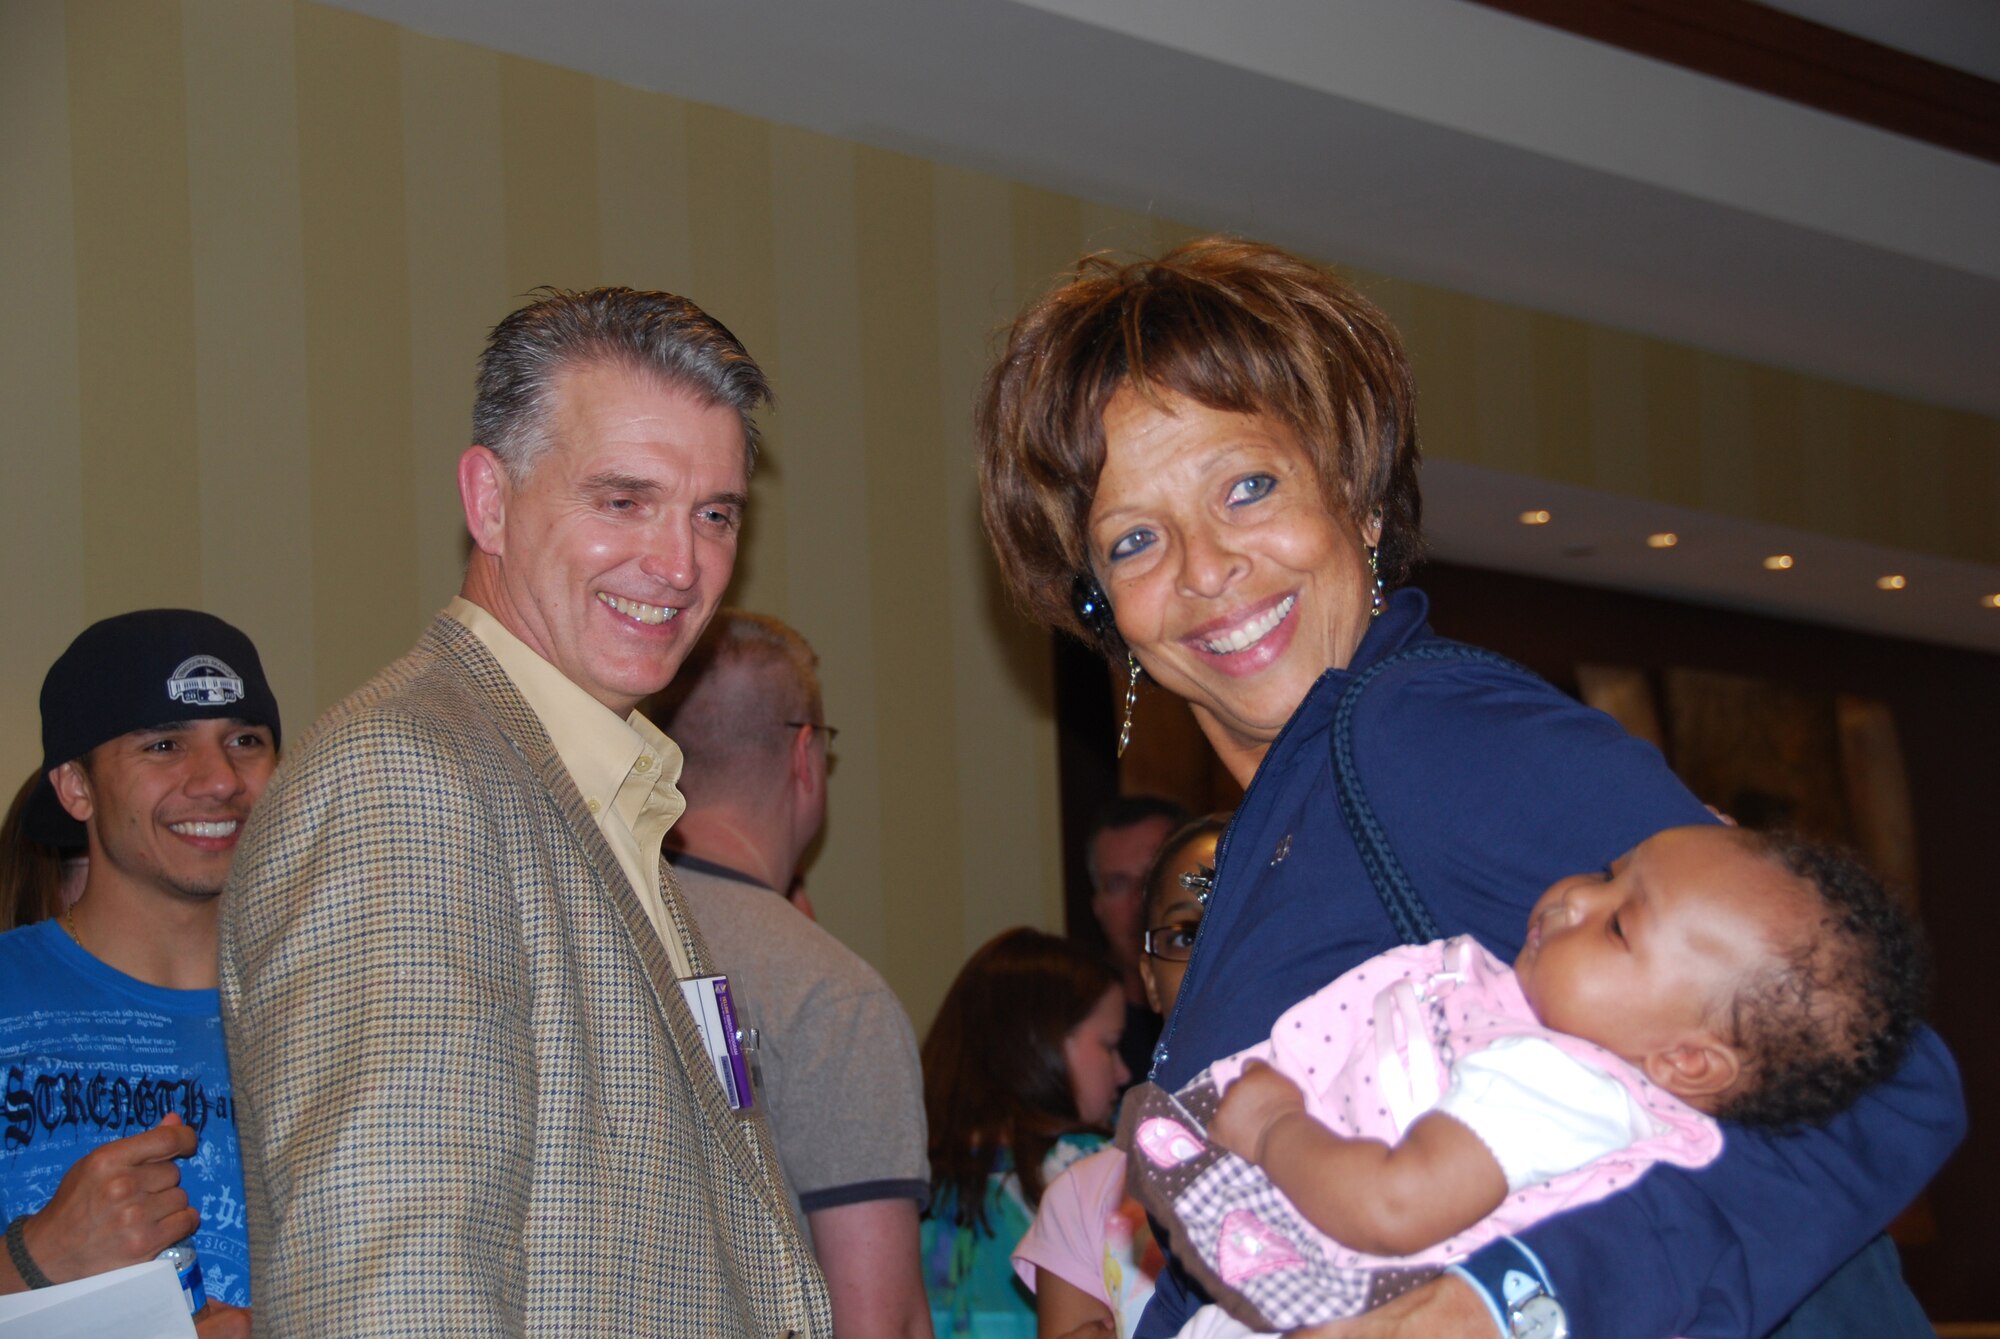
x,y
153,667
159,733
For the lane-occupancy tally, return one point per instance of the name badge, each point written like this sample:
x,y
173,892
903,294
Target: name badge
x,y
708,1000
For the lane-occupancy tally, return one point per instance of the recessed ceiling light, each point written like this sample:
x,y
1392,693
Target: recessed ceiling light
x,y
1894,581
1534,518
1990,601
1666,539
1778,562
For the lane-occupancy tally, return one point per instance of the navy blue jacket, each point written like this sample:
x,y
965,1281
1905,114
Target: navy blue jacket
x,y
1492,785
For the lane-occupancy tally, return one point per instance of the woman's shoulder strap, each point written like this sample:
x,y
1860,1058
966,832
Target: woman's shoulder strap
x,y
1412,919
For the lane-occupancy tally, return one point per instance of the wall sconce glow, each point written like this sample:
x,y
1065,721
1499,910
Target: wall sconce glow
x,y
1990,601
1534,518
1778,562
1894,581
1666,539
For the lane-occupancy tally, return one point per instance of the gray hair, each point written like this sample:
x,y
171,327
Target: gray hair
x,y
656,333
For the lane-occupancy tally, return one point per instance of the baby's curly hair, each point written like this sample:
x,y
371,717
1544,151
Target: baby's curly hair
x,y
1833,1013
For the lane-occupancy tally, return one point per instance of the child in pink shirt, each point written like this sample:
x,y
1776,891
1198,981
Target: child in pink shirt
x,y
1086,1257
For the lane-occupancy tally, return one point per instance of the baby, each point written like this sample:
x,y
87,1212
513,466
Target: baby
x,y
1431,1100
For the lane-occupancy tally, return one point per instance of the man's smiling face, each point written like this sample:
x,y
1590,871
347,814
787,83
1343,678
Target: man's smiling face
x,y
611,556
165,807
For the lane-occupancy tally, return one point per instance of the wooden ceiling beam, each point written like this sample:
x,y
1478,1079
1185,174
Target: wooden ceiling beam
x,y
1781,54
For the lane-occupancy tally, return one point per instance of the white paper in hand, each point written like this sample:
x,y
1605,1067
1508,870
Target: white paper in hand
x,y
137,1302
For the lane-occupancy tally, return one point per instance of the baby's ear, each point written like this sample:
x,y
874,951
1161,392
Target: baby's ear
x,y
1696,1071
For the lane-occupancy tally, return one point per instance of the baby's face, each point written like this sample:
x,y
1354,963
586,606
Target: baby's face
x,y
1640,956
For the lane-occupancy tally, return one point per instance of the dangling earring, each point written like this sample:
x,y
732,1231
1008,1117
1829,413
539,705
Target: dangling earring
x,y
1132,673
1376,603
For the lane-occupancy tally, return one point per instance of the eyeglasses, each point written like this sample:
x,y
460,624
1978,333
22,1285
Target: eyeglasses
x,y
832,731
1172,943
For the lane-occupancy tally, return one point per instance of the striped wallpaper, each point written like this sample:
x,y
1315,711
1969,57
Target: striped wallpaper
x,y
252,248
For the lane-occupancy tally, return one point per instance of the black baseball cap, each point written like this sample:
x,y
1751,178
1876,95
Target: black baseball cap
x,y
136,671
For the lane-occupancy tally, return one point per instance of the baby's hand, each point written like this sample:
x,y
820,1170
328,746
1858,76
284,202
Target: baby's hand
x,y
1254,1103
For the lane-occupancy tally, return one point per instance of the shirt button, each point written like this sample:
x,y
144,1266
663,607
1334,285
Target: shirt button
x,y
645,763
593,806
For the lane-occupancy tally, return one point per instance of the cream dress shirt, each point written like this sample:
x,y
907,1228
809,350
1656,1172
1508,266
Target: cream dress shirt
x,y
626,770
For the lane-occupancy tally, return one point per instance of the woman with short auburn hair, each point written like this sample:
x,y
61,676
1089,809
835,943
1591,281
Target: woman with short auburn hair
x,y
1205,465
1232,325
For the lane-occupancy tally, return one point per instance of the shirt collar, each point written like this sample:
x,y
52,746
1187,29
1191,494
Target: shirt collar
x,y
1403,619
597,748
682,860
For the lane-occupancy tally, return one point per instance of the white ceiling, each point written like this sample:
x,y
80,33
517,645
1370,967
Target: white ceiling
x,y
1435,140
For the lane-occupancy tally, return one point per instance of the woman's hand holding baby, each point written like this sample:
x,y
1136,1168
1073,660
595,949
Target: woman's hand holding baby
x,y
1254,1104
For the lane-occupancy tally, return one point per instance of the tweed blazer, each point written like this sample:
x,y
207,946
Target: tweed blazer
x,y
472,1101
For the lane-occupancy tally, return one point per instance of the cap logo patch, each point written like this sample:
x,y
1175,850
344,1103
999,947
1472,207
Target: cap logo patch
x,y
204,681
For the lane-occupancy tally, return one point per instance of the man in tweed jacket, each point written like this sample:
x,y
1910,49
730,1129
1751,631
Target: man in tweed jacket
x,y
472,1099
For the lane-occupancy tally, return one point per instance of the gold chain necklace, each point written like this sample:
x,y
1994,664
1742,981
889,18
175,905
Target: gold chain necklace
x,y
69,924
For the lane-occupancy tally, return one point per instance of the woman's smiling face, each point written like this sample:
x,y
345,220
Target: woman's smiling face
x,y
1230,579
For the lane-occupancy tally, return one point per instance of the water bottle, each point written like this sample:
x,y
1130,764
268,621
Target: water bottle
x,y
187,1264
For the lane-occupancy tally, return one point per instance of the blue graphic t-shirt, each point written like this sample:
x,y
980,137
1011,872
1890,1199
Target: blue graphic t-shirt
x,y
88,1055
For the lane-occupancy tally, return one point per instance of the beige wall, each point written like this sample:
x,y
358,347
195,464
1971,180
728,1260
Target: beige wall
x,y
251,250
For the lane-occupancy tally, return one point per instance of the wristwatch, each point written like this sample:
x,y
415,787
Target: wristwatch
x,y
1516,1289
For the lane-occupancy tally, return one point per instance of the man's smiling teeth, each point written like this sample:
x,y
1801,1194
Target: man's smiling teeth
x,y
1252,632
225,828
645,613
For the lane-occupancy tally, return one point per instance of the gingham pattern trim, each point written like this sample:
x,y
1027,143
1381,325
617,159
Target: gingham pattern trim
x,y
1304,1294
